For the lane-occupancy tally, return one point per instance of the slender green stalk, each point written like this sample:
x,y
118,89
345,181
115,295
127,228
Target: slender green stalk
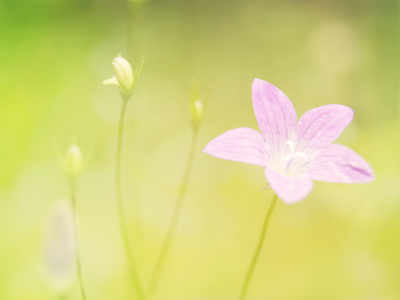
x,y
258,249
125,236
77,255
63,296
174,219
133,20
129,28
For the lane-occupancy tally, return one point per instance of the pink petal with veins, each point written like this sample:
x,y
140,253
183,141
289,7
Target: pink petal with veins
x,y
320,126
338,163
289,189
275,115
241,144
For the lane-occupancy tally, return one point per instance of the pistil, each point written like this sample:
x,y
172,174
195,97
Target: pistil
x,y
289,162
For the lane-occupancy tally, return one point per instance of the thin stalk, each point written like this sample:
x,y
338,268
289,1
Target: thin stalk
x,y
133,21
63,296
174,219
77,255
258,249
129,28
125,236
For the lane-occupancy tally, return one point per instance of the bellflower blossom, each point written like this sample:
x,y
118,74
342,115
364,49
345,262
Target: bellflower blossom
x,y
293,154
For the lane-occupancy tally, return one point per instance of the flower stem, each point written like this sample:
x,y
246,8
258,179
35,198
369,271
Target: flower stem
x,y
128,27
258,249
125,236
63,296
174,219
77,255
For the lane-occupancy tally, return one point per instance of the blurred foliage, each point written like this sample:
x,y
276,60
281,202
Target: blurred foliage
x,y
340,244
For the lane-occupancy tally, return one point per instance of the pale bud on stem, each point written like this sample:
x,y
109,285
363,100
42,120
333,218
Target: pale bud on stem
x,y
196,105
73,161
124,77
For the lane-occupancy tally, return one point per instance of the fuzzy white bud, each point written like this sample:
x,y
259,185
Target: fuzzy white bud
x,y
73,161
196,105
124,77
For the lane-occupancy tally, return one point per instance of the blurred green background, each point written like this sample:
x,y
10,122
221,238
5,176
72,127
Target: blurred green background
x,y
342,243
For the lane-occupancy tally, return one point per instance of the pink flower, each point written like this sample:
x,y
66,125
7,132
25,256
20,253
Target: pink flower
x,y
293,154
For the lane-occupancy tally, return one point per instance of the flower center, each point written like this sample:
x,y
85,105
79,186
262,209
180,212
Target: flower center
x,y
293,163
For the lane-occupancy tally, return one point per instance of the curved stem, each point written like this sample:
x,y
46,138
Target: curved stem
x,y
174,219
128,31
133,18
258,249
63,296
77,255
125,236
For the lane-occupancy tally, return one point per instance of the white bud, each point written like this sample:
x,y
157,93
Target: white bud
x,y
73,161
124,73
197,111
196,105
124,77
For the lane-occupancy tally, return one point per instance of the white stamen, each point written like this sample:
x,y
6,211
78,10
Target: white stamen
x,y
291,156
290,145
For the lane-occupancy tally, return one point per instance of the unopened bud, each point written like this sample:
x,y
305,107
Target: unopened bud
x,y
123,71
196,105
73,161
197,111
124,77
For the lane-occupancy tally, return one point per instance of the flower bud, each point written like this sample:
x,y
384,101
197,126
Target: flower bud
x,y
196,105
124,77
124,73
197,110
73,161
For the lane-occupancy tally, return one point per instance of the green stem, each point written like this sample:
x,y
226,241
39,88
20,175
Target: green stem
x,y
125,236
174,219
133,18
128,31
258,249
77,255
63,296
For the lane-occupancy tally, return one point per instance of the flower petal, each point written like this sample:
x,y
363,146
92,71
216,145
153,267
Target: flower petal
x,y
123,70
112,80
340,164
320,126
275,115
241,144
289,189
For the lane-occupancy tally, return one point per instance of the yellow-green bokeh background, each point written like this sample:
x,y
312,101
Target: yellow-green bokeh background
x,y
343,243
